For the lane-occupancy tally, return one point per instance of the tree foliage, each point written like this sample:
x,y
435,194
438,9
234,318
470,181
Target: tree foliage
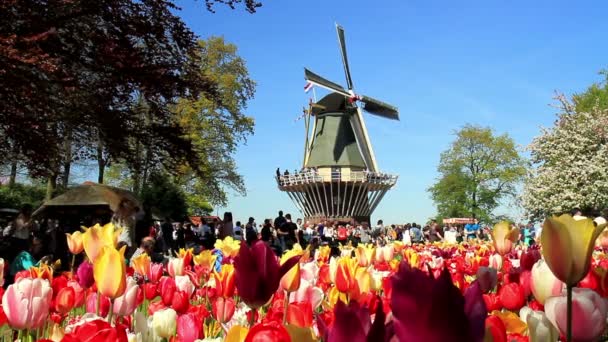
x,y
214,128
569,158
478,171
162,197
19,195
72,73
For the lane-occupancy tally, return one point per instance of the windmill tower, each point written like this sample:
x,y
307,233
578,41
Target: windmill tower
x,y
340,179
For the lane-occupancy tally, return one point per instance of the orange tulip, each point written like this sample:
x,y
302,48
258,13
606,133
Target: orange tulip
x,y
75,242
345,274
504,236
290,282
365,255
186,255
96,237
109,271
224,281
141,264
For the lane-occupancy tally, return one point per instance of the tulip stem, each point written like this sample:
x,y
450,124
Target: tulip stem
x,y
72,265
111,312
285,308
569,313
98,303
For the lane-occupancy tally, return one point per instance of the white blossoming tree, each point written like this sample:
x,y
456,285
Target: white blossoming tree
x,y
570,159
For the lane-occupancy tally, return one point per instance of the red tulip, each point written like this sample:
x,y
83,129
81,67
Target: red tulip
x,y
266,332
150,290
512,296
156,272
429,309
525,280
258,273
492,301
353,323
180,302
58,284
156,306
96,331
529,258
64,302
189,328
590,281
79,295
167,289
300,314
223,309
104,304
496,328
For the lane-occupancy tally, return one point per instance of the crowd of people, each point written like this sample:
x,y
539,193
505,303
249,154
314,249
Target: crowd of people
x,y
27,243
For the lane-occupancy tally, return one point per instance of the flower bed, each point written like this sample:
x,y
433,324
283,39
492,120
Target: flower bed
x,y
433,292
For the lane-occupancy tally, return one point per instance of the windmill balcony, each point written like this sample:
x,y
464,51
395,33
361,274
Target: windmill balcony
x,y
379,179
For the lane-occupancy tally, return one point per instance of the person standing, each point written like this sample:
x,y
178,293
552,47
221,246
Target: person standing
x,y
288,233
227,227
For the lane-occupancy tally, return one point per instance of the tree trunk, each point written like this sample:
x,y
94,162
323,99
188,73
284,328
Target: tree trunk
x,y
12,180
101,163
67,160
51,185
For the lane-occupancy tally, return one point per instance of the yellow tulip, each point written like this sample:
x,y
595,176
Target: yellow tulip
x,y
504,236
75,242
365,255
364,280
109,272
206,259
96,237
237,333
567,246
290,281
141,264
229,246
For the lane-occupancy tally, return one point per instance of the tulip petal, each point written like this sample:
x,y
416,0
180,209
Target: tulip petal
x,y
557,248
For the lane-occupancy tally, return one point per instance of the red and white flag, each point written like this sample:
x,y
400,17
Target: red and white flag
x,y
308,86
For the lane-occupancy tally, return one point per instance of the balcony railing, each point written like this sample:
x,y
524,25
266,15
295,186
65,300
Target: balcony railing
x,y
313,176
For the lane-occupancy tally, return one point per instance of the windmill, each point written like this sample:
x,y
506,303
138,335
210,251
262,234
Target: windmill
x,y
340,179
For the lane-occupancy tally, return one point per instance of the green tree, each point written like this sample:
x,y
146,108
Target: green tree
x,y
163,197
215,129
70,70
20,194
477,172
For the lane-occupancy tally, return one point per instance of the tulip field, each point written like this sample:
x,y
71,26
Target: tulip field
x,y
477,291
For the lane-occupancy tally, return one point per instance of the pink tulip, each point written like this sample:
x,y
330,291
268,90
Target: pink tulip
x,y
307,293
26,303
127,303
589,312
543,283
496,261
184,284
91,304
156,272
385,253
175,267
85,275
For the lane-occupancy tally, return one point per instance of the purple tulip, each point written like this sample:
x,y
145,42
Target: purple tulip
x,y
258,273
85,275
352,323
434,310
487,278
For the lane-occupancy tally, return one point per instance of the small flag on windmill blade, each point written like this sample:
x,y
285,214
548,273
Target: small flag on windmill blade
x,y
308,86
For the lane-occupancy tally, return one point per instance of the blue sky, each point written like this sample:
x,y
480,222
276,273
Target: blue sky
x,y
443,63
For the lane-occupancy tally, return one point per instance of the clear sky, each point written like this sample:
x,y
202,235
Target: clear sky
x,y
443,63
